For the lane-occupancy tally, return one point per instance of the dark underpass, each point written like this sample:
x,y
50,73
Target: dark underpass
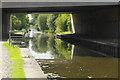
x,y
95,26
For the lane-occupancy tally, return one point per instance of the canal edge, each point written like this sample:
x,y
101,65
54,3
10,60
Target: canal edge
x,y
31,67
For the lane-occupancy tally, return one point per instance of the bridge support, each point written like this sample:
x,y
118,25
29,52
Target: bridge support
x,y
101,22
5,25
97,29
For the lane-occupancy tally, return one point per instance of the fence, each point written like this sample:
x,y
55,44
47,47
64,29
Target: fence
x,y
16,38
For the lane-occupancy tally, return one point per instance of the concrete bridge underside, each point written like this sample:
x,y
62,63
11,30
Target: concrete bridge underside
x,y
92,20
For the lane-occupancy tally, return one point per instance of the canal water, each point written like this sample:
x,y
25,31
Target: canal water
x,y
60,59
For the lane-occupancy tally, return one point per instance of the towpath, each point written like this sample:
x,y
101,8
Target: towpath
x,y
31,67
4,62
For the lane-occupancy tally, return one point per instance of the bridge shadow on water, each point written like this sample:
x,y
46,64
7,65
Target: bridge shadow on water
x,y
101,45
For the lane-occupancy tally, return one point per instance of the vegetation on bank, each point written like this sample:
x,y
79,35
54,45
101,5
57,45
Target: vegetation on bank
x,y
20,22
48,23
16,61
52,23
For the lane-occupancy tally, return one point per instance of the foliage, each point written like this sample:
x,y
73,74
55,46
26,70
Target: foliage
x,y
51,22
20,21
34,16
16,61
69,25
62,23
66,32
34,21
42,22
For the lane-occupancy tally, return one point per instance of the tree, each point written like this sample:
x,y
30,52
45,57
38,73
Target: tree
x,y
69,25
20,21
61,23
51,22
34,20
42,22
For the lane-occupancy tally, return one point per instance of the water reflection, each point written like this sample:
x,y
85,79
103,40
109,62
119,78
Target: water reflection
x,y
60,59
46,46
81,67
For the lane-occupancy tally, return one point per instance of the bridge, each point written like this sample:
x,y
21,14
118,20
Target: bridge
x,y
97,23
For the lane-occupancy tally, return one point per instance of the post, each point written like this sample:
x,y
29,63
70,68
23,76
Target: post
x,y
10,30
9,37
10,22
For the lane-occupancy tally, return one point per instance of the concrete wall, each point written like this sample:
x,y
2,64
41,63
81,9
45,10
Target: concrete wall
x,y
5,25
82,51
98,23
0,24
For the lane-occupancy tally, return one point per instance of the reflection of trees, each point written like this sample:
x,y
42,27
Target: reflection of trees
x,y
43,43
51,46
39,43
63,48
59,48
26,41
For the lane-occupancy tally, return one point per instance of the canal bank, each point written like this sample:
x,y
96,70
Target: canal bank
x,y
31,67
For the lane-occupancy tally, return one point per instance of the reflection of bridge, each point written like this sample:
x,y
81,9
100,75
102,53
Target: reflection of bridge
x,y
96,20
107,48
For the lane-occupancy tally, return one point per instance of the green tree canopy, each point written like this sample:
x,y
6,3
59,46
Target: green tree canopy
x,y
51,22
61,23
20,21
42,22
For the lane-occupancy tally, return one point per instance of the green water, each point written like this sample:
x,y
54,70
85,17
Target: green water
x,y
59,59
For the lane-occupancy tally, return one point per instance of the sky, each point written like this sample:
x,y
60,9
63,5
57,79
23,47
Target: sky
x,y
30,17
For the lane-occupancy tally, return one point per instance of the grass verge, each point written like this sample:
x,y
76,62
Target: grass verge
x,y
67,32
16,61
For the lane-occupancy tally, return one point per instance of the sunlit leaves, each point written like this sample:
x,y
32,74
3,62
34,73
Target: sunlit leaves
x,y
62,23
42,22
52,23
20,21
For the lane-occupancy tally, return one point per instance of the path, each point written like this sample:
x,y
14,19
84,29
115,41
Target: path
x,y
4,62
31,67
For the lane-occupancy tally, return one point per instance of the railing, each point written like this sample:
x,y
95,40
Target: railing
x,y
16,38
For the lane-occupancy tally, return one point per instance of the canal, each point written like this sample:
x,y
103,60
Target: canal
x,y
59,59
